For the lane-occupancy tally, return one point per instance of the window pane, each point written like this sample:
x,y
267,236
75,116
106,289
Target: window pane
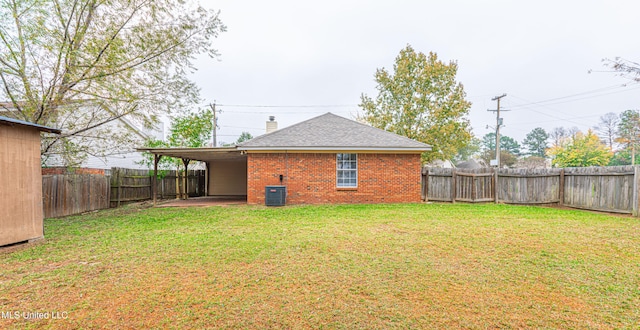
x,y
346,170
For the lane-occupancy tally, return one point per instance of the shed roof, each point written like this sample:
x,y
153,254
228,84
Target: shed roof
x,y
332,132
13,122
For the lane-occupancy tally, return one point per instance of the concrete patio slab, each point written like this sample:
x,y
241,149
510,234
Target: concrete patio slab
x,y
205,201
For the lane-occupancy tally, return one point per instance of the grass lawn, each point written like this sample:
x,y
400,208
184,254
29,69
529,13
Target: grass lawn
x,y
348,266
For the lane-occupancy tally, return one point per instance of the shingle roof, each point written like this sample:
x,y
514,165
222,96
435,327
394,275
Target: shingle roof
x,y
331,132
12,122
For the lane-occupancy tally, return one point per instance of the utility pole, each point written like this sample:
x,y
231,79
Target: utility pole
x,y
498,124
215,123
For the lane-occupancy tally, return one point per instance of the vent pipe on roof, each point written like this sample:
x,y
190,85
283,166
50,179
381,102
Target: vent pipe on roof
x,y
272,124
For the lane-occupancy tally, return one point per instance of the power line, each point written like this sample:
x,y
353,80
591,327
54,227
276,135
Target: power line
x,y
599,90
550,121
548,115
230,112
241,127
289,106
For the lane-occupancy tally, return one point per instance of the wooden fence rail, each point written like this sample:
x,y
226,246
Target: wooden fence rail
x,y
129,185
67,194
76,193
610,189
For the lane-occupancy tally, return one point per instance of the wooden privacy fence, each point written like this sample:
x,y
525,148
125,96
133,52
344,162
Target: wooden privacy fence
x,y
74,193
129,185
610,189
67,194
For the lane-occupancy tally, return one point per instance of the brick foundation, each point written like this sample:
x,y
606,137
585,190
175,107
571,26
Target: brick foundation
x,y
311,178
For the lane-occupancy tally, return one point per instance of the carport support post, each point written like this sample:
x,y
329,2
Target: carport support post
x,y
156,159
207,168
185,161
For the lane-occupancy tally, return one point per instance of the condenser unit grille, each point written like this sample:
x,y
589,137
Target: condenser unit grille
x,y
275,195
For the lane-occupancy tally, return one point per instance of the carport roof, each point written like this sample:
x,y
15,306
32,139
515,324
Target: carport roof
x,y
201,154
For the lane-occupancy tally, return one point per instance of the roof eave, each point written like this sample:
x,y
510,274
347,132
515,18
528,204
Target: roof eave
x,y
345,148
42,128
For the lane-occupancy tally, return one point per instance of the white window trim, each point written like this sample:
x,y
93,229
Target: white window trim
x,y
338,170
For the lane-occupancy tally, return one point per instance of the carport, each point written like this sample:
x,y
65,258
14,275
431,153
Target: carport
x,y
226,168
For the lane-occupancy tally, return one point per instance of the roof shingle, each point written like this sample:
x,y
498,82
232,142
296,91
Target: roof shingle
x,y
332,132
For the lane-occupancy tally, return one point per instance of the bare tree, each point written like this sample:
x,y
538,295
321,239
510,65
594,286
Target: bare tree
x,y
607,129
558,135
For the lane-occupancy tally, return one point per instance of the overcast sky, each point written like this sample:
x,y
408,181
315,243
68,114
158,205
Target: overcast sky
x,y
309,58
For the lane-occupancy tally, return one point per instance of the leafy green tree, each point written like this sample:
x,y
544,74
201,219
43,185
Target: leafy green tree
x,y
469,151
629,131
192,130
506,158
581,150
489,141
507,144
536,142
79,65
510,145
421,100
621,157
245,136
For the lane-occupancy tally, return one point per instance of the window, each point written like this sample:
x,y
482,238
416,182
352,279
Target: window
x,y
347,170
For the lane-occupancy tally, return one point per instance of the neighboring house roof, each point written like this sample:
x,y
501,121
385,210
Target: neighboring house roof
x,y
331,132
14,122
471,164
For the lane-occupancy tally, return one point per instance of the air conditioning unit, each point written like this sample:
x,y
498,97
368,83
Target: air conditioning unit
x,y
275,195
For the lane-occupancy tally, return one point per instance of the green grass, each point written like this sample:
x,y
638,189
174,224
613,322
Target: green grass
x,y
348,266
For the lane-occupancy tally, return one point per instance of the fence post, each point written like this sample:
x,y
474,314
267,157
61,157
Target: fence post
x,y
90,203
473,188
108,189
453,185
119,182
494,184
636,193
561,188
425,184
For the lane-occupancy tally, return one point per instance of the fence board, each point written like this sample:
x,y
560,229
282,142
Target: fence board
x,y
529,186
67,194
600,188
129,185
611,189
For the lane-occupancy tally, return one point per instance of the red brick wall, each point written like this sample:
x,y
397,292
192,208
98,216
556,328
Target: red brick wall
x,y
311,178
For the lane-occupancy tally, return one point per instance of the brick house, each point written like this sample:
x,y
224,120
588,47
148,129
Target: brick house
x,y
331,159
326,159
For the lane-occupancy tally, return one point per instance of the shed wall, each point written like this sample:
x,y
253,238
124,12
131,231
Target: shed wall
x,y
311,178
20,184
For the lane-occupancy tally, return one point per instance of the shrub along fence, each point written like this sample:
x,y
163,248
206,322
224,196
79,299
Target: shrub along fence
x,y
610,189
66,194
